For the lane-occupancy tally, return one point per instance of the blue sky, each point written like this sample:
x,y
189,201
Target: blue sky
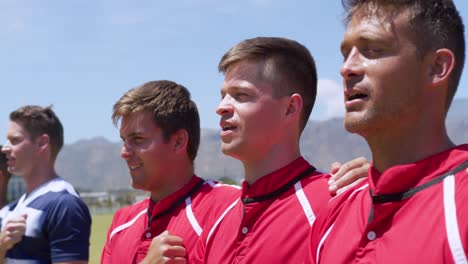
x,y
82,55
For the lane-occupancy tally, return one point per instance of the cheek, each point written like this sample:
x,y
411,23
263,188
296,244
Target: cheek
x,y
20,151
266,120
154,154
148,156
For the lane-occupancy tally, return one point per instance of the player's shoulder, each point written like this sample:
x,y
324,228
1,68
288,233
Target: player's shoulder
x,y
461,173
337,204
216,191
57,200
316,176
316,181
219,188
214,197
62,205
461,182
351,196
131,211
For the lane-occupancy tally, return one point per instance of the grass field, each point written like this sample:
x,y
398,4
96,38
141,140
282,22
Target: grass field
x,y
101,223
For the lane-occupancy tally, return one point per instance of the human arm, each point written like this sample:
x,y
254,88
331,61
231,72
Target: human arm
x,y
166,248
68,229
344,176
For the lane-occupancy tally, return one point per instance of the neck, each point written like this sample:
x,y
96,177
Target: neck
x,y
403,147
38,176
176,179
256,168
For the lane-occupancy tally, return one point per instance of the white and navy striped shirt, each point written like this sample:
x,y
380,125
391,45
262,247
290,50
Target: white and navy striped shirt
x,y
57,226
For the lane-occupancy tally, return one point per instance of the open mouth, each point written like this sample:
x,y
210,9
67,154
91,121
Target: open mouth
x,y
134,166
228,128
356,96
10,162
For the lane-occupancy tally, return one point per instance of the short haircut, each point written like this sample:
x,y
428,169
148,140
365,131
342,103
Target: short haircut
x,y
38,121
435,24
287,65
171,106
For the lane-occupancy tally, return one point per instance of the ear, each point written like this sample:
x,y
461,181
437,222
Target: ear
x,y
294,105
43,141
442,64
179,141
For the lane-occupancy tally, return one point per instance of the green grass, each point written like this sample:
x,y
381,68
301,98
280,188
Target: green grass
x,y
101,223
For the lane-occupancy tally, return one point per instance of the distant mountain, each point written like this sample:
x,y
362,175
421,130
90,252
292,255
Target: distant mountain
x,y
95,164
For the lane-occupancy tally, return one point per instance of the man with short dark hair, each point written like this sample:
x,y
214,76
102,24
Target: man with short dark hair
x,y
266,99
402,65
49,223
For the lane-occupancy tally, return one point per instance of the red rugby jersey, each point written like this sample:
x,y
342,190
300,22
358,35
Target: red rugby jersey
x,y
271,221
414,213
183,213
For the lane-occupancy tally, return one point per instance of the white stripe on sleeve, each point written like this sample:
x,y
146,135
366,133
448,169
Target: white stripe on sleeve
x,y
451,223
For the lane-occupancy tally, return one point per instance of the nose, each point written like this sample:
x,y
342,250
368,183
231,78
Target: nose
x,y
224,107
7,147
126,151
352,67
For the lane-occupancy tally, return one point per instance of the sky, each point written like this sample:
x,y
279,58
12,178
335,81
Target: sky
x,y
81,55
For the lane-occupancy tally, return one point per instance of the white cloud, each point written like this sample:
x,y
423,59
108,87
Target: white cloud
x,y
329,102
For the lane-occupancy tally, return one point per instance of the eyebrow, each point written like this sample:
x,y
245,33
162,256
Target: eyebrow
x,y
14,136
235,87
366,39
133,134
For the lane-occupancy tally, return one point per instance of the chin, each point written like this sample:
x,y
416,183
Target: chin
x,y
226,151
14,171
354,124
226,148
137,185
231,151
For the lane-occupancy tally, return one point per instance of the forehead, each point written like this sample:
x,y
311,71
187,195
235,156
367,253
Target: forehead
x,y
17,129
367,23
137,122
248,75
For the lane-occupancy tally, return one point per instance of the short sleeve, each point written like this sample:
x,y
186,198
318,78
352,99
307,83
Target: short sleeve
x,y
69,228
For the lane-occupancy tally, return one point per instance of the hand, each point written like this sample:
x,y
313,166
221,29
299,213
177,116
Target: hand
x,y
12,232
344,176
166,248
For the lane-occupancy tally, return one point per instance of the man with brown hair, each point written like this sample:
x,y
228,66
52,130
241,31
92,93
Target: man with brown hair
x,y
402,64
160,129
4,178
49,223
267,97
